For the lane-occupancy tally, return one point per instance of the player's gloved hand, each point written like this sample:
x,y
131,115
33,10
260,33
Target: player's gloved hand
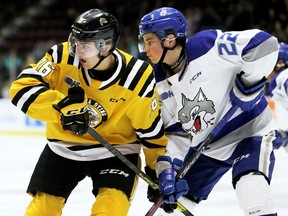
x,y
281,140
74,112
246,98
169,207
169,186
153,195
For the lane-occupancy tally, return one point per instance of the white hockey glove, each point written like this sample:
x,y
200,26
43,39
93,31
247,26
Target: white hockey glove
x,y
246,98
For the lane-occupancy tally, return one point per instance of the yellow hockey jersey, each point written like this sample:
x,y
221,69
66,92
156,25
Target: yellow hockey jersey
x,y
125,107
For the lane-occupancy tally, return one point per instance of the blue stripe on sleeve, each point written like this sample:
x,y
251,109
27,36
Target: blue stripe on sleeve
x,y
255,41
242,119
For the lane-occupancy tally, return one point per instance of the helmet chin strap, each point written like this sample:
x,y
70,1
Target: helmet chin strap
x,y
180,59
165,49
101,58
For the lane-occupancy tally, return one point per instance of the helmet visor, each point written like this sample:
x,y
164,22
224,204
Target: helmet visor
x,y
140,44
147,44
88,48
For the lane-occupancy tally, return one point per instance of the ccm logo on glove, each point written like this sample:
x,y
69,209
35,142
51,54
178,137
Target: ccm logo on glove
x,y
74,111
77,111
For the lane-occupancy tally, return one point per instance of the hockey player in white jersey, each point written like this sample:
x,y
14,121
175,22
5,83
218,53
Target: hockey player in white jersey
x,y
278,90
198,79
278,82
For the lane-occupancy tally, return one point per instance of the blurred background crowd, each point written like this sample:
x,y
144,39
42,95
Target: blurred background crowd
x,y
28,28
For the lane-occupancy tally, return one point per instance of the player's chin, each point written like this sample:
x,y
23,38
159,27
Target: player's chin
x,y
154,60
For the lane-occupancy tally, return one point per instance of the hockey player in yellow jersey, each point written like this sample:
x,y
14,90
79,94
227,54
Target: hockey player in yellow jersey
x,y
84,82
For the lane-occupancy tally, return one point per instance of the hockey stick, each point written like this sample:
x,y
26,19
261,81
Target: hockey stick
x,y
138,171
196,155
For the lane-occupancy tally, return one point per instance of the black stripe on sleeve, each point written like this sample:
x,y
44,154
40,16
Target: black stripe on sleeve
x,y
32,98
138,76
151,145
50,52
146,85
127,72
34,76
152,128
20,93
59,52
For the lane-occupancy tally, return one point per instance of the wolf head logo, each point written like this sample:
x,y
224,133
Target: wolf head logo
x,y
102,21
193,114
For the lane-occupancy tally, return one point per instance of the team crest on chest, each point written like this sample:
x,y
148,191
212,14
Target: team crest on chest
x,y
97,114
195,115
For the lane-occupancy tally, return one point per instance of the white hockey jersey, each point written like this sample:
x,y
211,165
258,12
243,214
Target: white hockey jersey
x,y
194,100
278,88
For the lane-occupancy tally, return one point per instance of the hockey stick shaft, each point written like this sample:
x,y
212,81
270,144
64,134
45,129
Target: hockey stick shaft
x,y
138,171
119,155
197,154
207,141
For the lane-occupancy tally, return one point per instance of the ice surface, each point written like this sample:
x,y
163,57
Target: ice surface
x,y
18,155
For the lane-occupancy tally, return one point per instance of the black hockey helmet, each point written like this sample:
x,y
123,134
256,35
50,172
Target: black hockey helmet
x,y
96,26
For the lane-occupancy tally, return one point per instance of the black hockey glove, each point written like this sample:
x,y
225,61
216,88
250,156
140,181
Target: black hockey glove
x,y
153,195
74,112
168,207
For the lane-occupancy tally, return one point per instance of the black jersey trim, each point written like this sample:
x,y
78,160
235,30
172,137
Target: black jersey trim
x,y
32,98
20,93
145,86
138,76
121,72
152,128
127,72
34,76
59,53
151,145
50,52
80,148
85,76
71,60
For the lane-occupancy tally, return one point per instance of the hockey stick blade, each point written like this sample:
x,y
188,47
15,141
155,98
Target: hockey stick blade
x,y
197,154
138,171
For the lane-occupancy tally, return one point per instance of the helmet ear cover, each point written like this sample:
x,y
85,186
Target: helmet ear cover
x,y
179,41
162,34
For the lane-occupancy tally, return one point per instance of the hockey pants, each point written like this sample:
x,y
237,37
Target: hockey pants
x,y
109,202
